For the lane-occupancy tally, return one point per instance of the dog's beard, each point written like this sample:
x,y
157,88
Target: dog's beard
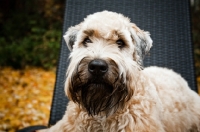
x,y
99,95
97,98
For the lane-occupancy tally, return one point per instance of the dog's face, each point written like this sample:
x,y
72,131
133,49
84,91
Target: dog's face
x,y
106,57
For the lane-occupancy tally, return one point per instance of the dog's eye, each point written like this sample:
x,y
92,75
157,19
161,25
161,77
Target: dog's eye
x,y
87,40
120,43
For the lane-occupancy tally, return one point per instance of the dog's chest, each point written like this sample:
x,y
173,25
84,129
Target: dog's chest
x,y
118,123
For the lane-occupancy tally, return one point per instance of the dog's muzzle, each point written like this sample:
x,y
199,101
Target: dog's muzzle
x,y
98,86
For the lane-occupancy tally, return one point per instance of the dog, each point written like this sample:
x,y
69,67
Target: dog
x,y
110,91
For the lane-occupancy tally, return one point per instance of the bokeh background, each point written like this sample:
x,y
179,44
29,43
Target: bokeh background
x,y
30,35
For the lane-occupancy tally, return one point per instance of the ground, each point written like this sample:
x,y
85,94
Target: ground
x,y
25,97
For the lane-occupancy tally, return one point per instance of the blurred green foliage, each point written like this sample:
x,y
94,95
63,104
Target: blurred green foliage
x,y
30,33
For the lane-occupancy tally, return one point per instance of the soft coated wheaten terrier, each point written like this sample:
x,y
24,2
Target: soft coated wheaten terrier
x,y
109,91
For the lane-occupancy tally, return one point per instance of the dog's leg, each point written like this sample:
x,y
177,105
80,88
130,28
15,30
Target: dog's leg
x,y
148,123
68,122
144,125
146,108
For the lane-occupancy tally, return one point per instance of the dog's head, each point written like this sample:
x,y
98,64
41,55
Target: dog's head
x,y
106,56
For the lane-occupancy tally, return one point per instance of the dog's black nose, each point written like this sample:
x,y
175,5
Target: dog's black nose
x,y
97,67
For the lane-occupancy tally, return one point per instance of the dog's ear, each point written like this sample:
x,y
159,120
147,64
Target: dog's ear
x,y
71,35
143,43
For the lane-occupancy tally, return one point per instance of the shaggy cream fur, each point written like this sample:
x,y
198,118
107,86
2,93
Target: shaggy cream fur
x,y
124,98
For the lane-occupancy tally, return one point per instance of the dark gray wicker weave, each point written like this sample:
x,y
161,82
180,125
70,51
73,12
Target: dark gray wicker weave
x,y
168,21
